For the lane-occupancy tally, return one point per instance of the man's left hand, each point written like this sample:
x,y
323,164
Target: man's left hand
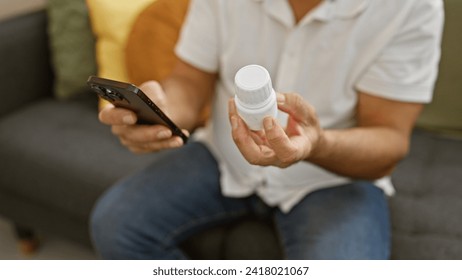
x,y
275,145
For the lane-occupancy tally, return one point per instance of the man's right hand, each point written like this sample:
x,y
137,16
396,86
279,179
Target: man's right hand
x,y
141,139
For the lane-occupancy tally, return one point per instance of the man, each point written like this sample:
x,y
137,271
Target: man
x,y
352,76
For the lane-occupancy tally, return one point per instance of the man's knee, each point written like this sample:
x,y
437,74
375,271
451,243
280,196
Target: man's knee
x,y
102,228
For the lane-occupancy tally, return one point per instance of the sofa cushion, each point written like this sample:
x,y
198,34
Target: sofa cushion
x,y
111,22
72,45
426,209
444,114
25,72
246,239
58,154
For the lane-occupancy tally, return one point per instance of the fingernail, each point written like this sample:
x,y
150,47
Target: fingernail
x,y
234,122
128,119
164,134
176,143
268,123
281,98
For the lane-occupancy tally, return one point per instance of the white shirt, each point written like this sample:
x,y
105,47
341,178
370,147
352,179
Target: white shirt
x,y
387,48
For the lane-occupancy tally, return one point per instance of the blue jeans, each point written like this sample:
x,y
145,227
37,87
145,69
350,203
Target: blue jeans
x,y
147,215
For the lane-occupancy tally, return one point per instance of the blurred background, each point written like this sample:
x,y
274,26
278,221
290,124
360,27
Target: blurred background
x,y
54,247
56,159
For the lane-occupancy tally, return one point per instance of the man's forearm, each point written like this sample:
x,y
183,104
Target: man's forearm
x,y
361,153
184,104
188,91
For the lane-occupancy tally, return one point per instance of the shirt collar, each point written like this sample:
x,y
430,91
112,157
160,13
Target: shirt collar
x,y
326,11
345,9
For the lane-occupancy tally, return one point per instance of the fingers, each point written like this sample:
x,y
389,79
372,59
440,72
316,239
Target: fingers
x,y
154,91
273,146
294,105
254,153
302,133
138,138
141,138
287,150
144,148
250,143
116,116
145,139
141,133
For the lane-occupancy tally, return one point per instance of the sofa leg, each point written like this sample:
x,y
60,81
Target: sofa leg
x,y
27,240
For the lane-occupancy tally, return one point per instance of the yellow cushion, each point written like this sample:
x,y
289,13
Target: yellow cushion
x,y
111,23
151,42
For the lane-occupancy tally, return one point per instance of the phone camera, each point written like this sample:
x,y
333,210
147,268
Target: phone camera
x,y
111,94
98,89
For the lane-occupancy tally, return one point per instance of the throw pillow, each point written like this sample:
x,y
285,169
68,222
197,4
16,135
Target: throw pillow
x,y
111,22
151,42
72,46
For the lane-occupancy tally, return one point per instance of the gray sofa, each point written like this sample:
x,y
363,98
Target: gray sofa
x,y
57,159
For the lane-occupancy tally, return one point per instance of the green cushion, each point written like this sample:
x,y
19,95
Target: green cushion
x,y
444,114
72,45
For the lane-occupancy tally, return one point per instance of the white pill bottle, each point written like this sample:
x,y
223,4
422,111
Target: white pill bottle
x,y
255,97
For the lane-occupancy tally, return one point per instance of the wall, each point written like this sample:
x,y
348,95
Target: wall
x,y
9,8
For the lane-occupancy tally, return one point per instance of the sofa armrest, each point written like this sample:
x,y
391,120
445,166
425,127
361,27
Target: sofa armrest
x,y
25,69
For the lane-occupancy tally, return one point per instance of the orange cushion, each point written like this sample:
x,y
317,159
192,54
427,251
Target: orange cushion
x,y
150,46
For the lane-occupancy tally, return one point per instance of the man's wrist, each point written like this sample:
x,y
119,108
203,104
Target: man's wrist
x,y
320,148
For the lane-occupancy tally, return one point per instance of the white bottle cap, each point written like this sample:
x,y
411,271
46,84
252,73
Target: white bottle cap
x,y
253,86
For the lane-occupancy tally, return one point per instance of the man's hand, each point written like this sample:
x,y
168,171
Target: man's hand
x,y
275,145
141,138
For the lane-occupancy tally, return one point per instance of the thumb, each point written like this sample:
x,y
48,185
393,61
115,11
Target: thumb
x,y
297,107
154,91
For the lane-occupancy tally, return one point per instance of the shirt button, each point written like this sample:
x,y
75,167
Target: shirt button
x,y
264,183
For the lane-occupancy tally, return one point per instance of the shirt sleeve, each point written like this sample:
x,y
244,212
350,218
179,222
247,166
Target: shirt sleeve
x,y
407,68
198,42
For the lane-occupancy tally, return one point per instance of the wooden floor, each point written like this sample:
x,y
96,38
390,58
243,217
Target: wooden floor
x,y
52,247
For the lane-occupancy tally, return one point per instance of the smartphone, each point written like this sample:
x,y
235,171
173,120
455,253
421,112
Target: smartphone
x,y
128,96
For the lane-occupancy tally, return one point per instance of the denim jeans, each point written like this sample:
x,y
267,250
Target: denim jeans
x,y
147,215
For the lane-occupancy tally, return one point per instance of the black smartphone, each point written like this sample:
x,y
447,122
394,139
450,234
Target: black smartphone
x,y
128,96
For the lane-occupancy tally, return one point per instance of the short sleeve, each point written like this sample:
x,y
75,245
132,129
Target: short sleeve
x,y
198,43
407,68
